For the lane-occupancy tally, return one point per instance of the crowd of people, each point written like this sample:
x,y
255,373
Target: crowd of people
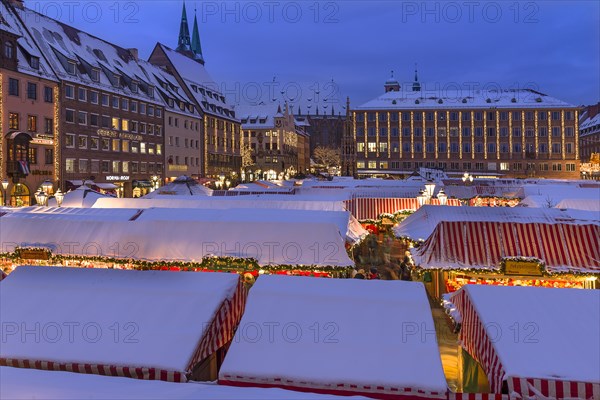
x,y
379,257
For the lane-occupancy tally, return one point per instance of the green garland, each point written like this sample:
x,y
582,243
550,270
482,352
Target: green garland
x,y
224,264
396,217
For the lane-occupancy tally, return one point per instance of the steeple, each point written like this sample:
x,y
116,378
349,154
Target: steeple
x,y
416,87
392,85
183,43
196,46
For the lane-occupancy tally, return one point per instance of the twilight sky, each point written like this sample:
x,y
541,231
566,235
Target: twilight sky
x,y
257,49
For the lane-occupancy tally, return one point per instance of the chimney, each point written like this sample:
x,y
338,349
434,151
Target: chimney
x,y
17,4
134,53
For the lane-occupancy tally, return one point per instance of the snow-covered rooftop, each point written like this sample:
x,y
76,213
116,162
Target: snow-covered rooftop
x,y
421,224
260,116
541,333
150,319
456,98
20,383
338,333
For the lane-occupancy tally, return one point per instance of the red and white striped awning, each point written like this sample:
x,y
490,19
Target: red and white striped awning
x,y
364,208
479,244
474,338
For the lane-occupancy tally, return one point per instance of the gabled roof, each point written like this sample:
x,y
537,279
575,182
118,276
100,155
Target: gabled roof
x,y
203,87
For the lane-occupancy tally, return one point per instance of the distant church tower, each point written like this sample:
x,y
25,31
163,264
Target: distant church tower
x,y
348,145
189,47
392,85
416,87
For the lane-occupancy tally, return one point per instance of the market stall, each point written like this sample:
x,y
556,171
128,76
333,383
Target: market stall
x,y
530,342
347,337
96,321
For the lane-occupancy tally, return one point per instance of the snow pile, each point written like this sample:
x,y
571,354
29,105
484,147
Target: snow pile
x,y
376,335
17,383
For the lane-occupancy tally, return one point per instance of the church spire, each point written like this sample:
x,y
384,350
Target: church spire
x,y
196,46
416,87
183,44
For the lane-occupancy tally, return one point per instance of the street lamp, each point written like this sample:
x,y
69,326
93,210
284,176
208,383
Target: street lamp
x,y
41,197
467,177
47,186
429,189
227,183
421,198
442,197
4,187
59,196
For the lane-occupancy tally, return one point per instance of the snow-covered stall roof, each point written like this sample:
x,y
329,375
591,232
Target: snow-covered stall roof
x,y
18,383
83,196
545,335
592,205
551,194
421,224
98,320
322,325
182,186
269,242
73,213
562,247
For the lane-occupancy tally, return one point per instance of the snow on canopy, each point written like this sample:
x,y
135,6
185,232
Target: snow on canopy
x,y
270,242
421,224
18,383
344,336
563,247
549,336
105,313
182,186
83,196
580,204
550,194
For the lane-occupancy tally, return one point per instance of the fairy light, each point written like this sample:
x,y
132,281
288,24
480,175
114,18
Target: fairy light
x,y
354,124
224,136
366,136
400,133
389,133
448,134
535,126
1,126
562,132
423,136
472,135
523,133
205,145
485,149
377,134
549,118
460,149
510,135
576,133
57,138
497,134
412,135
435,136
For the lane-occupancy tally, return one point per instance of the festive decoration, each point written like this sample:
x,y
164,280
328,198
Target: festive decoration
x,y
386,220
208,264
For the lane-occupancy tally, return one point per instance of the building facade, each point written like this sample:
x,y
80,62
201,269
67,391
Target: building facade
x,y
589,142
277,143
220,128
512,133
28,111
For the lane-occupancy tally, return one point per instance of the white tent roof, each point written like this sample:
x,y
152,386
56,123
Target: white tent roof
x,y
160,317
558,330
423,222
550,194
580,204
83,196
269,242
182,186
349,332
20,383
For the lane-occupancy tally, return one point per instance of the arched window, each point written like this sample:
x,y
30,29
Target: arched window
x,y
9,50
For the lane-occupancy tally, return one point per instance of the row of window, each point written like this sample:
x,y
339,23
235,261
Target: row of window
x,y
73,165
187,124
189,161
466,131
107,144
466,116
466,166
33,156
14,123
31,90
107,122
188,143
114,78
454,147
106,100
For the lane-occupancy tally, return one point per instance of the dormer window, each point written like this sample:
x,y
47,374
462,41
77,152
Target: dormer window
x,y
202,91
95,75
263,121
151,91
117,78
190,108
35,63
134,87
245,121
182,105
171,102
9,50
209,94
195,88
71,65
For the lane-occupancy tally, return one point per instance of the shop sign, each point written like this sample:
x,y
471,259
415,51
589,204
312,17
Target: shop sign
x,y
34,254
107,133
40,138
115,134
117,177
515,267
